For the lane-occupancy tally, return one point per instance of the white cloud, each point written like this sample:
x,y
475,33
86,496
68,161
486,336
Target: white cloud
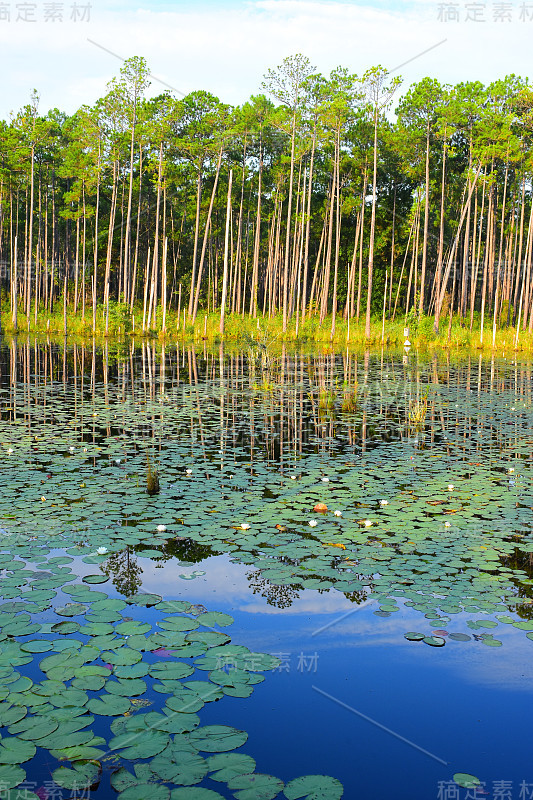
x,y
227,49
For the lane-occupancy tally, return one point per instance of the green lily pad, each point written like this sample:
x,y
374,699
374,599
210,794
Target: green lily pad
x,y
195,793
16,751
465,780
124,657
225,766
142,791
180,767
434,641
217,738
33,728
212,618
255,786
71,610
11,776
130,687
66,628
109,705
144,599
145,744
37,646
94,579
82,776
314,787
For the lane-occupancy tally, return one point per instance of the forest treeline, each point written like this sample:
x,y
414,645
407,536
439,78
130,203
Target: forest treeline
x,y
319,197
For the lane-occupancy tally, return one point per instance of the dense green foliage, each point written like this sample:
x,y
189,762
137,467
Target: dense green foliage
x,y
316,202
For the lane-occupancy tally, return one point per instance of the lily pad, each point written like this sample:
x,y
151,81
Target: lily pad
x,y
109,705
142,791
225,766
195,793
11,776
16,751
94,579
82,776
180,767
255,786
218,738
145,744
465,780
314,787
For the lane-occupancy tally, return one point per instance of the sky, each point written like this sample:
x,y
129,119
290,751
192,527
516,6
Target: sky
x,y
69,50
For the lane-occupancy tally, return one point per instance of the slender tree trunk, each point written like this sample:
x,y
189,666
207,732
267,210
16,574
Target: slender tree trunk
x,y
226,255
372,229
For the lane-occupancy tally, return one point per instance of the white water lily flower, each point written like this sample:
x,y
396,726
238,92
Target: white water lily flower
x,y
368,523
447,524
161,528
71,449
293,477
245,526
101,551
384,502
326,480
451,487
9,450
338,513
188,471
313,523
511,469
117,460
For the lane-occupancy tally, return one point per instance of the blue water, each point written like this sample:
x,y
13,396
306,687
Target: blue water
x,y
465,704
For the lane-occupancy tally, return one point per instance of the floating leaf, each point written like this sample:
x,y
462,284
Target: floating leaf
x,y
16,751
82,776
109,705
225,766
465,780
434,641
255,786
145,744
180,767
11,776
314,787
195,793
143,791
71,610
212,618
217,738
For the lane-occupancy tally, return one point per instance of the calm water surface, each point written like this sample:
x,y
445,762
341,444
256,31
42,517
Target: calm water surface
x,y
429,464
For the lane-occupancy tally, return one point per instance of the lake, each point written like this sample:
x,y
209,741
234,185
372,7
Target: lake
x,y
264,573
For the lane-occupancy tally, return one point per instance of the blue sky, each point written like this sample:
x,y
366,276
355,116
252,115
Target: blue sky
x,y
226,46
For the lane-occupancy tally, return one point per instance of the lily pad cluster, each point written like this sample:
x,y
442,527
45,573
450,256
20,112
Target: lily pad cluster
x,y
438,519
106,670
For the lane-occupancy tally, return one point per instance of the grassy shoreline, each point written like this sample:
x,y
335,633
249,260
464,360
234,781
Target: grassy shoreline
x,y
269,331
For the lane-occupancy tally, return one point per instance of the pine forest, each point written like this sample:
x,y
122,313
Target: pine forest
x,y
320,203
